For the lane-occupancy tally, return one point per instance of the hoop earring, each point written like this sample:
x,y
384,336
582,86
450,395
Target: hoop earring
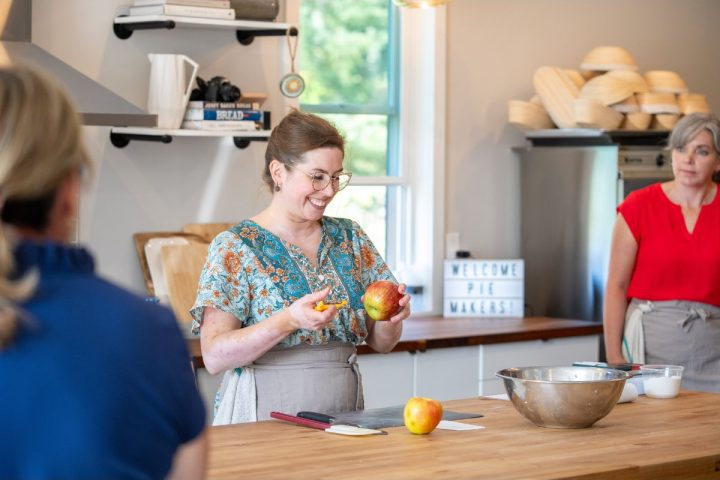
x,y
277,187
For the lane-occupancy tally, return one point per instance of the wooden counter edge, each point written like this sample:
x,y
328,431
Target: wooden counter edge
x,y
573,329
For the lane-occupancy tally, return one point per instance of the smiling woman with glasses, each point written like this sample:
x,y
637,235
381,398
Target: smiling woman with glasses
x,y
259,296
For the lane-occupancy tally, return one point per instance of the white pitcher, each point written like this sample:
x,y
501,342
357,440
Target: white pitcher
x,y
170,85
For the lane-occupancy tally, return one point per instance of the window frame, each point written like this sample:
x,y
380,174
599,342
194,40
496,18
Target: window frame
x,y
422,146
417,138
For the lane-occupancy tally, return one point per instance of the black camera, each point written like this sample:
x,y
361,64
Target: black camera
x,y
217,89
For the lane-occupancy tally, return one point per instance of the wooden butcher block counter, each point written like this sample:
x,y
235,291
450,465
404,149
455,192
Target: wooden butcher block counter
x,y
648,439
421,333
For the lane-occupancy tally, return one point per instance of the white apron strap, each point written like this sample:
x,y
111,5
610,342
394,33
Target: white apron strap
x,y
360,402
633,344
238,396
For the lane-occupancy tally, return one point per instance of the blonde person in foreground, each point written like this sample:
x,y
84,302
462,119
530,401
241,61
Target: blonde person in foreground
x,y
94,381
256,300
662,304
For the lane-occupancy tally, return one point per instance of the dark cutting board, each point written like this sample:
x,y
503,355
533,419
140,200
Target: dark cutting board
x,y
388,417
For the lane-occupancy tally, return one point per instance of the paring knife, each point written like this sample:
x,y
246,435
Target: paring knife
x,y
323,417
320,417
328,427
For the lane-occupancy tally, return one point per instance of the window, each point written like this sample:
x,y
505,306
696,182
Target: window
x,y
364,79
349,61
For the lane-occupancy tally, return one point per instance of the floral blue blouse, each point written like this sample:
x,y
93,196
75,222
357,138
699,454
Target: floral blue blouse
x,y
252,274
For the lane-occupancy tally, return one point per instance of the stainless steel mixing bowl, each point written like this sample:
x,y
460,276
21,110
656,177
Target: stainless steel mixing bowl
x,y
563,397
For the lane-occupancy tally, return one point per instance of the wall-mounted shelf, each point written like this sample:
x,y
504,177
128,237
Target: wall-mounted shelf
x,y
121,136
245,30
583,137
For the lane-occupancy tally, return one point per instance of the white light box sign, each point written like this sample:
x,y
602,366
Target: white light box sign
x,y
484,288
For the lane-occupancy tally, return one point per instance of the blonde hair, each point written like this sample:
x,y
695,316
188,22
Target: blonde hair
x,y
40,145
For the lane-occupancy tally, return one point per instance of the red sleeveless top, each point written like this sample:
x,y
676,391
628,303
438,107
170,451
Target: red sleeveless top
x,y
672,263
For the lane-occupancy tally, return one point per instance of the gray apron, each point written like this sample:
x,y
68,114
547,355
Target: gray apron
x,y
320,378
676,332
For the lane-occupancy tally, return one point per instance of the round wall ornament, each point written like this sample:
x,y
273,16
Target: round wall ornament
x,y
292,85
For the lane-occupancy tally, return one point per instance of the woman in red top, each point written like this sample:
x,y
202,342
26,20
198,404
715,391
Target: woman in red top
x,y
662,302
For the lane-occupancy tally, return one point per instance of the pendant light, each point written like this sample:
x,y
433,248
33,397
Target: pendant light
x,y
419,3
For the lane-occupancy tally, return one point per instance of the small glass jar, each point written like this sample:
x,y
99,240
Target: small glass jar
x,y
661,381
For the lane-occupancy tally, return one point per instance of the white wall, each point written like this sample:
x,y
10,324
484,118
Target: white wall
x,y
150,186
494,46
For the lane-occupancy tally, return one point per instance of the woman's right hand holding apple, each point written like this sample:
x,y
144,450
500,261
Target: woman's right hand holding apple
x,y
303,315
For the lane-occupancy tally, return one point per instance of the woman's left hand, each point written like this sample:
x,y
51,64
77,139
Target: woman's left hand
x,y
404,303
384,335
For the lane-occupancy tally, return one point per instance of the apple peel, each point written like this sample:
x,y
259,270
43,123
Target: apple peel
x,y
322,306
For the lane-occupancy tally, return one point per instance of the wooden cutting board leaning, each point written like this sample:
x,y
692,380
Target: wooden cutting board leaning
x,y
182,265
206,231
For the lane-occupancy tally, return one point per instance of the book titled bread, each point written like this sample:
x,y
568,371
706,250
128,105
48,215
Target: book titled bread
x,y
190,3
184,11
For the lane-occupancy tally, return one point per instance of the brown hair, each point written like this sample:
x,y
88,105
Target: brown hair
x,y
297,134
40,145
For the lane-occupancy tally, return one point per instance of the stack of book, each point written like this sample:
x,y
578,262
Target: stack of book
x,y
245,116
219,9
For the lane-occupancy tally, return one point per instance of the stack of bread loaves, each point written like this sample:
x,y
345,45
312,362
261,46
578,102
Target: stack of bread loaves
x,y
607,93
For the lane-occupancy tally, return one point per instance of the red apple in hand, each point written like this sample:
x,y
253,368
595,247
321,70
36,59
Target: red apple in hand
x,y
382,300
422,415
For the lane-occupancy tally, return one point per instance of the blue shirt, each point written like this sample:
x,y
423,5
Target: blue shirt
x,y
97,384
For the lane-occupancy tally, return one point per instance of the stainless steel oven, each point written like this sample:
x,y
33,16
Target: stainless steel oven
x,y
570,189
639,167
569,196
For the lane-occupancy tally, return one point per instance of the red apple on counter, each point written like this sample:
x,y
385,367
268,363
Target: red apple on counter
x,y
422,415
382,300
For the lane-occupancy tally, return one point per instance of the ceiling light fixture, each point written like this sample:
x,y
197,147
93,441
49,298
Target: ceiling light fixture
x,y
419,3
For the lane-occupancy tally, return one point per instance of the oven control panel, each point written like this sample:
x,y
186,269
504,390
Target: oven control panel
x,y
645,163
640,167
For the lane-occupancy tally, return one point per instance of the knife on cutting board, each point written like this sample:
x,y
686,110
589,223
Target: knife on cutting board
x,y
378,417
340,429
443,425
321,417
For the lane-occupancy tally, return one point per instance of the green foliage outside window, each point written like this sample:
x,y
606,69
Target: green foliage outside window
x,y
366,142
344,51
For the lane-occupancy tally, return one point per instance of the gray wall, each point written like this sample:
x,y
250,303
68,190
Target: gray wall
x,y
494,46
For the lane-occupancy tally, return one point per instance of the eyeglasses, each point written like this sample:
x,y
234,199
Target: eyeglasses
x,y
320,180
